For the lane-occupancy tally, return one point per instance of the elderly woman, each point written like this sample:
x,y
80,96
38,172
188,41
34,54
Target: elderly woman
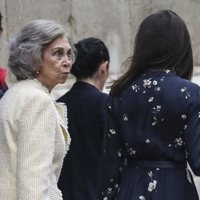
x,y
34,138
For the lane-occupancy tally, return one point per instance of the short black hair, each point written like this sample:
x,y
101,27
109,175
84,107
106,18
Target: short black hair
x,y
91,52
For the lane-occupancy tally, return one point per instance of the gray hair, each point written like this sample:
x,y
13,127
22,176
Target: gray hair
x,y
26,48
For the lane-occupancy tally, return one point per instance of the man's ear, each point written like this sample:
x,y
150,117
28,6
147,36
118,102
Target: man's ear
x,y
104,67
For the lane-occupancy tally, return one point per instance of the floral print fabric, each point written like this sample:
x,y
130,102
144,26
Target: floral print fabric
x,y
156,118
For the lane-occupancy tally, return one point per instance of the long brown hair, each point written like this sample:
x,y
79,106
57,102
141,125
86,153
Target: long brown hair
x,y
162,42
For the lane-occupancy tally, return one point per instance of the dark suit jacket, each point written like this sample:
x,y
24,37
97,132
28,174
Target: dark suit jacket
x,y
85,105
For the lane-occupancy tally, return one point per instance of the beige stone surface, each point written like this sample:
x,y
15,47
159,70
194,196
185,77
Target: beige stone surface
x,y
113,21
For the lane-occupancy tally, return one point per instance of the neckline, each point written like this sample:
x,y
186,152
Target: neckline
x,y
82,84
41,85
159,71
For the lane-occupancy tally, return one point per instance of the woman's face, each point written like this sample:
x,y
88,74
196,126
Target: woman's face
x,y
56,63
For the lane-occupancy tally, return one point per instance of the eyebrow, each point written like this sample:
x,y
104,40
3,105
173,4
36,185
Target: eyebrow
x,y
56,48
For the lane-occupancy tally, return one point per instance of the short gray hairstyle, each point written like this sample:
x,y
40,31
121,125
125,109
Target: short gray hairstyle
x,y
27,47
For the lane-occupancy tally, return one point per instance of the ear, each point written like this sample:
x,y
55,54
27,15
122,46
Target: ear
x,y
104,67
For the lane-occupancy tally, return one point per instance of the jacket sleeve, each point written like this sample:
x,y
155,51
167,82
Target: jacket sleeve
x,y
112,162
35,151
192,133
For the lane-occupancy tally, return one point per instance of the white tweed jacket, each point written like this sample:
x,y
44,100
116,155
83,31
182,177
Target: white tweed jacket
x,y
33,143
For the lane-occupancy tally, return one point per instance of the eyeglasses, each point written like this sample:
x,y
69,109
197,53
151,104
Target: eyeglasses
x,y
71,54
60,53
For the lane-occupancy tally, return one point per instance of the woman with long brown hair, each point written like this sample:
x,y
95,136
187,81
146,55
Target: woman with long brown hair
x,y
153,126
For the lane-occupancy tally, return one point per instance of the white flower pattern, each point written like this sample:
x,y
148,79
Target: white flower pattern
x,y
112,131
147,83
151,99
184,90
149,87
135,88
152,185
179,141
157,109
125,117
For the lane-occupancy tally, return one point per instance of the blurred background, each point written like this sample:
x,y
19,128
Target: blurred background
x,y
113,21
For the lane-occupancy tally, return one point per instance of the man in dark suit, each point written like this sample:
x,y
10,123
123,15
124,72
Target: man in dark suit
x,y
86,121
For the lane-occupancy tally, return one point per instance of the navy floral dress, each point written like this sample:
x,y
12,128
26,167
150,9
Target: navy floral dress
x,y
155,120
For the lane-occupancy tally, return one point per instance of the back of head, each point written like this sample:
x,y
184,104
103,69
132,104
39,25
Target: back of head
x,y
91,52
162,42
27,47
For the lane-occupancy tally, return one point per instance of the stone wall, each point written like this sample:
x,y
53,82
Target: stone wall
x,y
115,23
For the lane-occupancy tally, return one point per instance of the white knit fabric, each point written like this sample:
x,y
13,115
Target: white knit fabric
x,y
33,143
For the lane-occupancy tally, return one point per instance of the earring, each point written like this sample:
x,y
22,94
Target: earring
x,y
37,72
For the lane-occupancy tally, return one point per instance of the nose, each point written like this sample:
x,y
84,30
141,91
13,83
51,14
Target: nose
x,y
67,64
66,59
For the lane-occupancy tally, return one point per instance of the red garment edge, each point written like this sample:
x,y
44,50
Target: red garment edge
x,y
3,73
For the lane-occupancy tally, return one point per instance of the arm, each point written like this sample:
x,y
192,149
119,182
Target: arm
x,y
112,162
36,139
192,134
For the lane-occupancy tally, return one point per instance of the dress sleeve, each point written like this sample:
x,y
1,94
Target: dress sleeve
x,y
192,134
112,162
36,138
